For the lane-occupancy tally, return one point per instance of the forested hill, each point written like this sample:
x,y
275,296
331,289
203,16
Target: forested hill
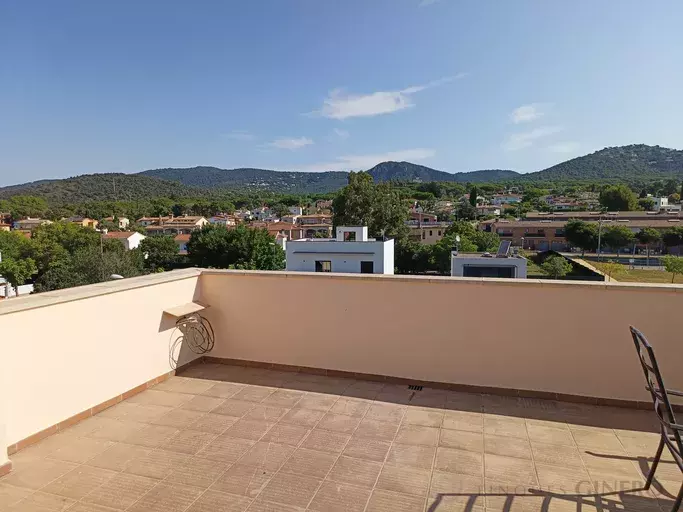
x,y
406,171
623,162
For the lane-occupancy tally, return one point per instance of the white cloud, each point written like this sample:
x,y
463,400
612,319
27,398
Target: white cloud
x,y
342,134
425,3
291,143
364,162
530,112
564,147
241,135
340,105
523,140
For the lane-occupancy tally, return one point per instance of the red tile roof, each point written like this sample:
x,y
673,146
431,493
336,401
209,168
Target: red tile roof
x,y
119,234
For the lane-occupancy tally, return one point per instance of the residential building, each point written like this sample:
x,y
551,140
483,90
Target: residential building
x,y
501,199
634,215
121,222
182,241
660,203
513,357
484,210
185,224
296,210
428,233
130,239
350,252
5,227
223,220
86,222
150,221
291,231
314,219
415,217
487,265
29,224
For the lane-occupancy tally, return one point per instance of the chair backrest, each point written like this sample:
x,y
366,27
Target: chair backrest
x,y
655,384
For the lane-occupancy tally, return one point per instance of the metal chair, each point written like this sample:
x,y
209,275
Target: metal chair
x,y
671,431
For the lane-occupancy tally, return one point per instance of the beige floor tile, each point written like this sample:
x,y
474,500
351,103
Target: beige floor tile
x,y
157,397
462,440
386,412
286,398
213,423
270,456
416,456
118,456
374,429
587,438
245,429
226,449
167,498
513,502
326,441
81,450
42,502
285,433
550,435
179,418
151,436
180,384
449,503
39,473
335,497
464,486
10,494
265,413
156,464
213,501
351,407
509,470
310,463
566,480
89,507
115,430
417,434
368,449
121,491
232,407
423,416
289,489
243,480
359,472
386,501
79,482
459,461
139,413
197,472
403,479
253,393
304,417
339,423
614,461
505,426
464,420
188,441
317,401
223,390
556,454
260,505
508,446
202,403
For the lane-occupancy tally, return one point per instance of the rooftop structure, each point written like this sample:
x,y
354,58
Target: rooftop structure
x,y
351,252
359,410
130,239
502,265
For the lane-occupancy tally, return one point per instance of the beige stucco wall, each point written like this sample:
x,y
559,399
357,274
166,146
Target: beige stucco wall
x,y
562,337
66,351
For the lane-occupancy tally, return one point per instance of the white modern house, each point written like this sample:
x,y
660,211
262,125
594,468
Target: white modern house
x,y
131,239
502,264
350,252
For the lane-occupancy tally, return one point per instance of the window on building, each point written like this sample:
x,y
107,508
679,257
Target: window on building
x,y
367,267
323,266
350,236
438,232
424,235
430,232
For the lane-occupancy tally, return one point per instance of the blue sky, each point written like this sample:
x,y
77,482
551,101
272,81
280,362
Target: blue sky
x,y
458,85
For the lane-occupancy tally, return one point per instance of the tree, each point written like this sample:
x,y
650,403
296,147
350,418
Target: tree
x,y
673,264
618,198
377,206
611,268
17,272
673,237
581,234
647,203
160,252
27,206
647,237
617,237
473,196
465,211
485,241
216,246
556,266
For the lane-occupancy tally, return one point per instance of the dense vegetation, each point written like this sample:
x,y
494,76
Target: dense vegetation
x,y
635,165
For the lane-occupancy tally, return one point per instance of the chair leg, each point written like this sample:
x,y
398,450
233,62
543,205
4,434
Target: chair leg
x,y
677,503
655,462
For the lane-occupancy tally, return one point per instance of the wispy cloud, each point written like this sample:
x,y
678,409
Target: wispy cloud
x,y
426,3
241,135
291,143
564,147
341,134
530,112
364,162
341,105
521,140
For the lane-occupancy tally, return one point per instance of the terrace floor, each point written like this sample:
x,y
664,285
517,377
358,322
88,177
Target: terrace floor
x,y
226,438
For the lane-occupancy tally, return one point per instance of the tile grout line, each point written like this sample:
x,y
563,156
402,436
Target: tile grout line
x,y
436,450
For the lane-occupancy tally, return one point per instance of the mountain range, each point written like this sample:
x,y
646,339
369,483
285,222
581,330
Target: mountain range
x,y
624,163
